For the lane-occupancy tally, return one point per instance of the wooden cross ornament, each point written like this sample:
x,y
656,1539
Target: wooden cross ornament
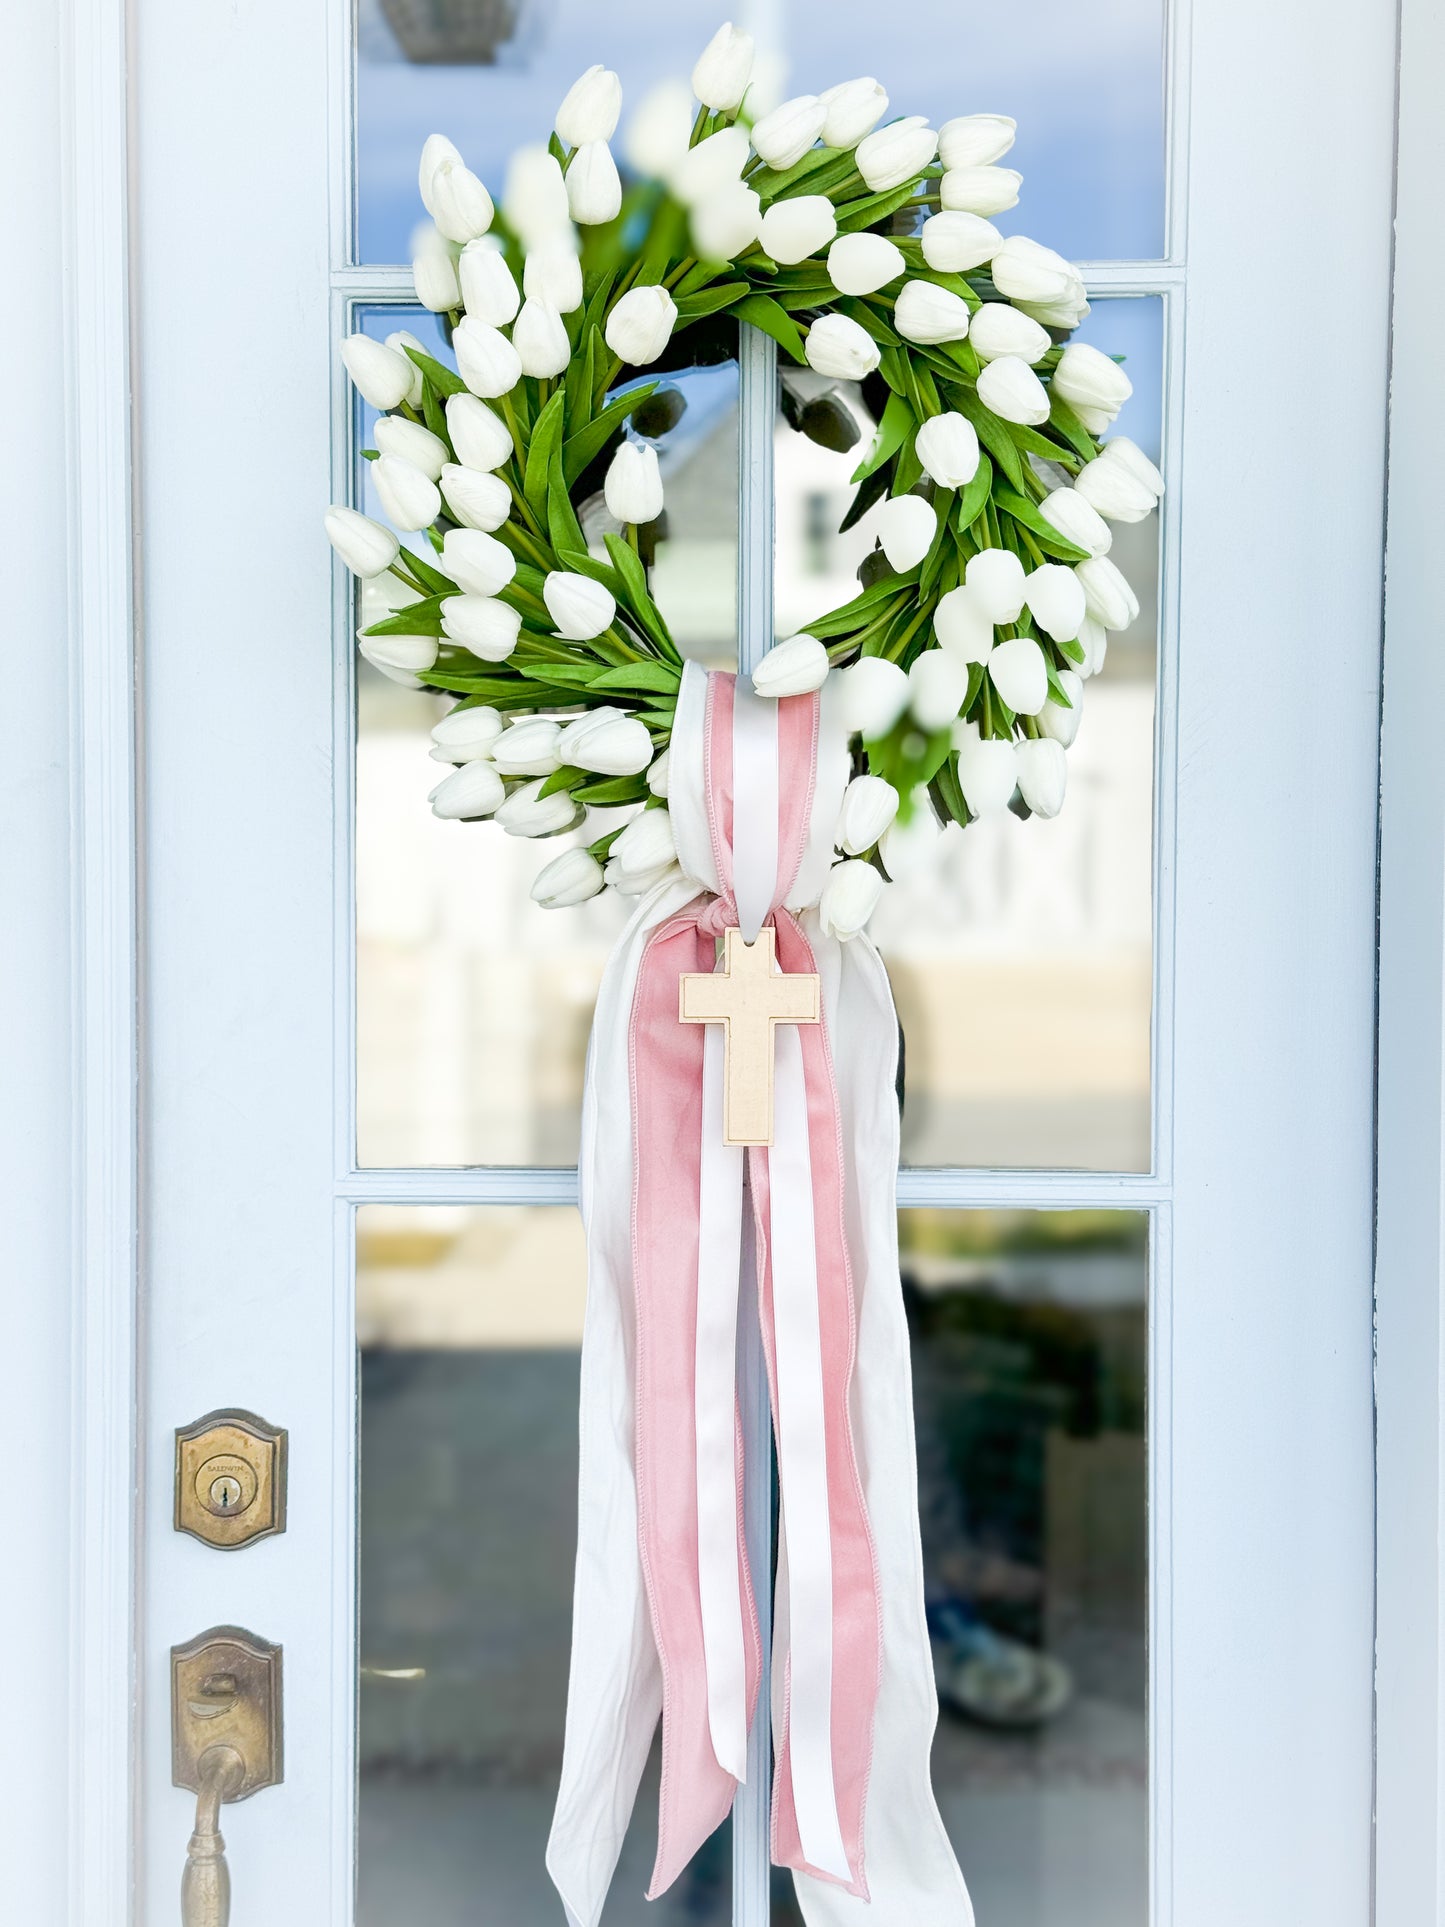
x,y
749,997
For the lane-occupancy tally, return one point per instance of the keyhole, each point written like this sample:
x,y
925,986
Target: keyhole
x,y
225,1492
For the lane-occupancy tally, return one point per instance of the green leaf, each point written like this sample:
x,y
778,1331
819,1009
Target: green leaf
x,y
546,436
994,436
874,208
722,294
865,608
821,168
1057,693
873,490
1070,427
947,793
435,415
662,677
587,444
634,580
896,426
438,583
971,499
613,789
416,619
562,524
761,311
562,779
1047,536
440,377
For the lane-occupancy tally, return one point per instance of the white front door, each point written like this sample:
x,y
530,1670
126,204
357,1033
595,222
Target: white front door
x,y
1137,1209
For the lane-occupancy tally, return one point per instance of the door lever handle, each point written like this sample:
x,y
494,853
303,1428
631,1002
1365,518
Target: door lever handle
x,y
225,1746
206,1882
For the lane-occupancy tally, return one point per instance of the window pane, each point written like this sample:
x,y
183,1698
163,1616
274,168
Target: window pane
x,y
1084,81
1021,961
470,1325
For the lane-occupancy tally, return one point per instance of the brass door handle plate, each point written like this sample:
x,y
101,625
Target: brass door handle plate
x,y
226,1733
230,1479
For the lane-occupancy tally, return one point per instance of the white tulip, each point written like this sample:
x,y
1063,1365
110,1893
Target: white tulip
x,y
907,526
863,263
1093,639
477,562
481,624
714,163
1019,673
568,879
552,273
633,488
987,771
1043,773
476,499
1113,490
405,655
579,607
1109,597
785,135
869,806
637,883
528,747
1067,312
955,242
1023,270
793,229
382,376
792,668
874,696
646,844
947,446
1010,389
594,187
724,68
465,734
535,197
409,496
928,314
1087,379
980,190
1120,449
996,576
855,108
907,849
1076,520
963,625
1055,599
459,204
1058,723
488,286
837,346
539,336
850,896
937,689
998,329
975,140
434,277
527,812
725,223
896,153
607,742
364,546
471,791
657,775
486,361
480,438
437,151
395,435
657,132
640,325
399,343
590,108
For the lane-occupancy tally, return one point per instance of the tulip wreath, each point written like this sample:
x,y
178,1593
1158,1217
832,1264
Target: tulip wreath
x,y
865,250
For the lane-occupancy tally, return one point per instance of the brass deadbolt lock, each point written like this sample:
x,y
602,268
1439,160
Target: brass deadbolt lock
x,y
230,1479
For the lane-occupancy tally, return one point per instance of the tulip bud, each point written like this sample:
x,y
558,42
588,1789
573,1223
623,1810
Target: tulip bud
x,y
488,628
409,497
1055,599
715,163
527,812
476,499
460,205
724,68
646,844
837,346
579,607
403,658
793,229
1010,389
488,287
980,190
963,624
956,242
908,848
1113,490
863,263
896,153
1110,599
437,151
552,273
434,276
528,747
395,435
987,771
1058,723
637,883
640,325
479,437
785,135
725,223
467,733
998,329
874,696
539,336
928,314
854,107
657,775
471,791
996,577
1042,773
850,896
399,343
364,546
1018,672
606,742
869,806
1093,639
907,526
1025,271
568,879
1067,312
791,668
1076,520
535,197
937,689
477,562
486,361
975,140
594,187
947,446
633,488
382,376
1120,449
658,130
589,108
1089,380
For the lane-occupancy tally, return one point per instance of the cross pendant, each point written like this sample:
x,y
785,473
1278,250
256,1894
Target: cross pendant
x,y
749,998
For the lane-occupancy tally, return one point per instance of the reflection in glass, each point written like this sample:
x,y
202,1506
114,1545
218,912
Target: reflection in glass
x,y
1021,960
470,1324
1083,79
